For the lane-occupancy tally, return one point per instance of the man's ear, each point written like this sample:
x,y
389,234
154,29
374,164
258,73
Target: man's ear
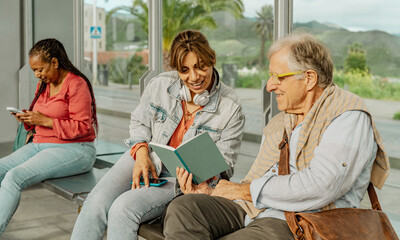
x,y
54,62
311,79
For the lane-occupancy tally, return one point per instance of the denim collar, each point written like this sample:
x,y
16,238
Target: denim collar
x,y
212,106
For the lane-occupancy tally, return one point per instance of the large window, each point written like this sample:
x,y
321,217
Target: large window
x,y
364,39
239,31
122,58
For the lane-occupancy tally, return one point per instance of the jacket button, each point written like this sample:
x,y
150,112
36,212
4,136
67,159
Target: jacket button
x,y
273,170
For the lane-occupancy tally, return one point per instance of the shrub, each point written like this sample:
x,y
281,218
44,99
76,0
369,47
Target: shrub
x,y
252,80
397,116
119,69
367,86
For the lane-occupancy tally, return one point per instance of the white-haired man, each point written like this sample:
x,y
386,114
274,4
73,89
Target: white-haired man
x,y
335,151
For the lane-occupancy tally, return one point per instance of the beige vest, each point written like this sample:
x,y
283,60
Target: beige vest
x,y
333,102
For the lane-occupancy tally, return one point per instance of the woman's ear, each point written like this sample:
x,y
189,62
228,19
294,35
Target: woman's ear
x,y
54,62
311,79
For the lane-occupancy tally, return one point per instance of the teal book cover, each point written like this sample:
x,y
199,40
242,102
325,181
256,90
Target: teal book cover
x,y
199,156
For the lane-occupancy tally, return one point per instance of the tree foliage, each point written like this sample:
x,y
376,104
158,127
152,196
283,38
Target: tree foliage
x,y
120,69
183,14
356,59
264,28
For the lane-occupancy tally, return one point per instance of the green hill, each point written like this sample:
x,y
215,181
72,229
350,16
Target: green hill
x,y
382,49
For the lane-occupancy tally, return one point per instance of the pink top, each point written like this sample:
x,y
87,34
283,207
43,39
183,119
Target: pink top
x,y
71,110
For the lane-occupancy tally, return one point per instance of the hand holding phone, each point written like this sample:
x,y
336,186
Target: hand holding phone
x,y
14,110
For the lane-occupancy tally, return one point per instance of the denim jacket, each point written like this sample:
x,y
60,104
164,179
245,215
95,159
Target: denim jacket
x,y
160,111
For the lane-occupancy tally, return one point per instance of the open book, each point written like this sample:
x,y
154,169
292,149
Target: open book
x,y
199,156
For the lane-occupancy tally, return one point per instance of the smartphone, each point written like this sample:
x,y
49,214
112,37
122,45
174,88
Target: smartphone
x,y
154,182
14,110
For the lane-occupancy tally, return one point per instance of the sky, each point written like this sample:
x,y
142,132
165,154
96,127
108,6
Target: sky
x,y
354,15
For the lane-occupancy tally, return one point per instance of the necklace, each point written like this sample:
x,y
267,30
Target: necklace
x,y
188,114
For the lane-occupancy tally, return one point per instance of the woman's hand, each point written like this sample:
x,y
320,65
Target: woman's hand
x,y
36,118
186,185
143,165
19,115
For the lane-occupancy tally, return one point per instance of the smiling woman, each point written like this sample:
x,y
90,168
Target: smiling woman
x,y
175,107
194,60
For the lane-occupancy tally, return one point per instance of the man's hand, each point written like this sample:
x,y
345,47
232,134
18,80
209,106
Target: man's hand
x,y
232,191
186,185
143,165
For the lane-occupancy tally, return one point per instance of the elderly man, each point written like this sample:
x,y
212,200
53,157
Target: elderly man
x,y
335,151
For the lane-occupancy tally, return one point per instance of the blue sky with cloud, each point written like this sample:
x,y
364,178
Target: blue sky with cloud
x,y
355,15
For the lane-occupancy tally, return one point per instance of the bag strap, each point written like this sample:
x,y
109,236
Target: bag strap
x,y
284,169
373,198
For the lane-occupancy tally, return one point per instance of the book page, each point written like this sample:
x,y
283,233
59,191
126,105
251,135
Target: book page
x,y
168,156
202,157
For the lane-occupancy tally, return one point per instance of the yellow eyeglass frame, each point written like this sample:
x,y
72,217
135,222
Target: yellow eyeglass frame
x,y
276,76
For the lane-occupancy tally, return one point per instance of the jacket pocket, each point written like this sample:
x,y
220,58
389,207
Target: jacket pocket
x,y
215,134
157,113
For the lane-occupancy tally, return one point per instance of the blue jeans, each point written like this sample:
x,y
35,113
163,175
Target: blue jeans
x,y
36,162
112,205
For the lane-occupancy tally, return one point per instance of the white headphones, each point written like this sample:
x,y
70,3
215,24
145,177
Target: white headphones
x,y
200,99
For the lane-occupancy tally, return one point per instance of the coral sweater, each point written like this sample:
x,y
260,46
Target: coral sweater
x,y
71,110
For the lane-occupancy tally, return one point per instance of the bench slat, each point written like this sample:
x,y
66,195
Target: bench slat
x,y
70,187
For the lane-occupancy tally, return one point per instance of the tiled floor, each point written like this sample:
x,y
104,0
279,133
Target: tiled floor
x,y
41,215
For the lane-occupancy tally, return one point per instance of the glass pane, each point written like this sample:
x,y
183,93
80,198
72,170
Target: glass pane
x,y
240,37
122,57
364,39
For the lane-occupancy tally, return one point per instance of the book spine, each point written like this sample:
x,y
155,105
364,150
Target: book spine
x,y
184,165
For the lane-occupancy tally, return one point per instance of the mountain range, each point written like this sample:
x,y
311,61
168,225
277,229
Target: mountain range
x,y
382,49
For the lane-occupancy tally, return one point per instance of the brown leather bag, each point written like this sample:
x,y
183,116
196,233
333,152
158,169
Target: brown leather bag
x,y
339,223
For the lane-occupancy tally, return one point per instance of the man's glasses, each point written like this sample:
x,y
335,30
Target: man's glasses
x,y
275,77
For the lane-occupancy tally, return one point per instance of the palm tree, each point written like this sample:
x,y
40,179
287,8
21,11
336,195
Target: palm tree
x,y
264,28
179,15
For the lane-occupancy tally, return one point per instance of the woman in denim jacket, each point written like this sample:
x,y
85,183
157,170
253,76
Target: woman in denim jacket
x,y
174,107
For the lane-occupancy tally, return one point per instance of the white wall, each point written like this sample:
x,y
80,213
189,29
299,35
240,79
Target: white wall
x,y
50,18
10,63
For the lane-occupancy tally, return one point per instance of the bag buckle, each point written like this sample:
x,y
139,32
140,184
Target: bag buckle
x,y
283,143
300,235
